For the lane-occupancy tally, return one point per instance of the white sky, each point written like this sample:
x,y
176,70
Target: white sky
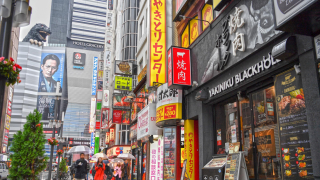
x,y
41,10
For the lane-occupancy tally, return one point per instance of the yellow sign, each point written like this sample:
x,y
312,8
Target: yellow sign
x,y
207,15
185,37
191,147
7,126
123,83
142,73
157,65
215,3
194,31
169,111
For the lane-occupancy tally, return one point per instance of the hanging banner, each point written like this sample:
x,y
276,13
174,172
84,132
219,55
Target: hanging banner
x,y
294,137
92,115
111,134
94,76
157,66
105,118
192,148
153,165
117,116
107,56
105,98
107,137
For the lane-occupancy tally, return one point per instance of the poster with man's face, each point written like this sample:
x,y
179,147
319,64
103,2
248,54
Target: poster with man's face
x,y
51,72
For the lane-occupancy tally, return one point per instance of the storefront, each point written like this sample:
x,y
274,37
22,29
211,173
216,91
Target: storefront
x,y
254,93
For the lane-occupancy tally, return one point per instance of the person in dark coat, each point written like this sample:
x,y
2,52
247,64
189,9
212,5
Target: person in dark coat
x,y
81,168
93,171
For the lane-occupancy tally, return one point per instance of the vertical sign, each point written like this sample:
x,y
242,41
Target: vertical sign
x,y
105,98
92,115
169,67
192,148
293,124
111,134
154,162
157,65
117,116
207,15
160,159
96,145
194,29
180,65
107,137
92,143
94,76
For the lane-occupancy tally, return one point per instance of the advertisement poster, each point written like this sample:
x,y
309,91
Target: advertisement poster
x,y
117,116
105,98
123,68
45,106
133,131
100,85
8,121
105,117
52,70
125,117
169,154
292,119
139,102
118,101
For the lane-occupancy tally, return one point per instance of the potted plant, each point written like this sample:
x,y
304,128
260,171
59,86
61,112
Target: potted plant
x,y
10,71
53,141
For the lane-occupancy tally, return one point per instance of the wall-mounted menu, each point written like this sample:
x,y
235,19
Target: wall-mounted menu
x,y
292,119
236,168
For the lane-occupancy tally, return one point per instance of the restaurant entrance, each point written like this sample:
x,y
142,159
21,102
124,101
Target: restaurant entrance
x,y
249,124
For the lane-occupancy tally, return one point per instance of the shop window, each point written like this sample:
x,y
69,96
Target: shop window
x,y
194,29
185,37
207,15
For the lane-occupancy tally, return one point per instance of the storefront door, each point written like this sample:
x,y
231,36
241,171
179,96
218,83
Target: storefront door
x,y
250,125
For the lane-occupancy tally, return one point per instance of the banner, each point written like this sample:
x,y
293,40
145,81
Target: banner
x,y
157,65
92,115
94,76
192,148
105,117
45,106
293,124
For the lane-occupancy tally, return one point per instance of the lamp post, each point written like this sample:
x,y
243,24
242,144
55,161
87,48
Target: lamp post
x,y
53,124
60,139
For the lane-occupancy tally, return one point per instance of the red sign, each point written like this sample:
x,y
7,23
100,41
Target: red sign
x,y
117,116
5,136
118,151
97,125
170,112
107,137
49,132
179,62
9,110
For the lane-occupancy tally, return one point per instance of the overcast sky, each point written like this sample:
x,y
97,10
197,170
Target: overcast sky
x,y
40,14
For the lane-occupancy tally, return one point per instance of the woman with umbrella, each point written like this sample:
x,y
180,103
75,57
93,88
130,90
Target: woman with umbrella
x,y
99,167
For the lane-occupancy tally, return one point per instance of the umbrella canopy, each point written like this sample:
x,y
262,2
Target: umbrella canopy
x,y
126,156
79,149
98,155
114,162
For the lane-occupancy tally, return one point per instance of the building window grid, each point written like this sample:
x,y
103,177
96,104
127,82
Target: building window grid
x,y
123,134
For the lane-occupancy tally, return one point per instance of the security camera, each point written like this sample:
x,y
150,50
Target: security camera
x,y
297,69
195,84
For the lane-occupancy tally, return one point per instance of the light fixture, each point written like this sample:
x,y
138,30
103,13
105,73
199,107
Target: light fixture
x,y
20,14
5,8
131,95
182,16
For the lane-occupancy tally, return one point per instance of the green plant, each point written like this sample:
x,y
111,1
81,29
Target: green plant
x,y
28,158
63,166
10,70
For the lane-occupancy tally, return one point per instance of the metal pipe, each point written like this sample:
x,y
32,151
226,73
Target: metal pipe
x,y
51,154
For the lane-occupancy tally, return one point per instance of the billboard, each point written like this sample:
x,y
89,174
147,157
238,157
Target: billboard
x,y
118,101
45,106
94,76
123,68
157,65
123,83
105,117
52,70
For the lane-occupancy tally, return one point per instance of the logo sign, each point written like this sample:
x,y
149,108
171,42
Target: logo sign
x,y
147,121
92,115
112,134
84,45
9,109
179,67
142,73
117,116
79,59
157,64
105,98
123,68
285,10
94,76
123,83
107,78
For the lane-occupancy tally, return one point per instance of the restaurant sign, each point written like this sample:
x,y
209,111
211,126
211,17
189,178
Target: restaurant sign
x,y
123,68
123,83
169,104
147,121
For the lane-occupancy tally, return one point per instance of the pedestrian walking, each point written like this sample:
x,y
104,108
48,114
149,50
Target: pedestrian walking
x,y
81,168
100,167
126,170
118,172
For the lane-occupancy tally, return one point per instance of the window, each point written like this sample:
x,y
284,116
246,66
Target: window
x,y
124,134
141,65
141,29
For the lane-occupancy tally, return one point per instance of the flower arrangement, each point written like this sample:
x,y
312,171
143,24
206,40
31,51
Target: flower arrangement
x,y
53,141
10,70
59,152
38,125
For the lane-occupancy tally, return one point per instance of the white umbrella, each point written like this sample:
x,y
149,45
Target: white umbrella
x,y
79,149
98,155
126,156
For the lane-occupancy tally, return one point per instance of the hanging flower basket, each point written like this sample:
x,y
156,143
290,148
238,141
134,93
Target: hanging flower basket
x,y
53,141
10,70
59,152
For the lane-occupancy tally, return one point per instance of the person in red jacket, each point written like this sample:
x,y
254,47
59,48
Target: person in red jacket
x,y
99,167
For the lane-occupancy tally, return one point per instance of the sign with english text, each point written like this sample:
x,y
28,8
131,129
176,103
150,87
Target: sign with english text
x,y
179,67
147,122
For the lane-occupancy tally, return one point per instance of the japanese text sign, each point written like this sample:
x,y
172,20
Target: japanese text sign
x,y
147,121
157,65
123,83
92,115
154,168
192,148
107,137
123,68
179,67
111,134
117,116
168,96
94,76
